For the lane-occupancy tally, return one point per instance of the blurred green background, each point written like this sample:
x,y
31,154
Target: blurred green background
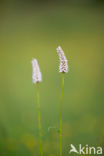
x,y
35,29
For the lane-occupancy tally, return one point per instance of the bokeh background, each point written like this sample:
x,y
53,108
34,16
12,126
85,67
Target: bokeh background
x,y
34,29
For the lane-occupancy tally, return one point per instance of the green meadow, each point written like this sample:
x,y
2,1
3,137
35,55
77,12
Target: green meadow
x,y
35,31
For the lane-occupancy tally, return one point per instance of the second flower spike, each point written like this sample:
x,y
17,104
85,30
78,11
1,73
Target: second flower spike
x,y
63,67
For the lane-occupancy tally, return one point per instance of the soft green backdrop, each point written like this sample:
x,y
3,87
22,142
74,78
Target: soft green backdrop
x,y
35,30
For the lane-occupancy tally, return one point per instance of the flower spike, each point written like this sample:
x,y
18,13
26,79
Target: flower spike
x,y
36,75
63,67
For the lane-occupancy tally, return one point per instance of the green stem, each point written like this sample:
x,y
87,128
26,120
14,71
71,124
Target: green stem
x,y
61,100
39,121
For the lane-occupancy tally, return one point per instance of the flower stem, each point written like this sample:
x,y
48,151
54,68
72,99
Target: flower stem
x,y
39,120
61,100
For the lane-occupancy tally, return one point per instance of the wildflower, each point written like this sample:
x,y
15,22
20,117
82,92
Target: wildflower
x,y
63,67
36,75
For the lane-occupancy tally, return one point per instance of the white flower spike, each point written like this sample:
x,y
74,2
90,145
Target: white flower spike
x,y
36,75
63,67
